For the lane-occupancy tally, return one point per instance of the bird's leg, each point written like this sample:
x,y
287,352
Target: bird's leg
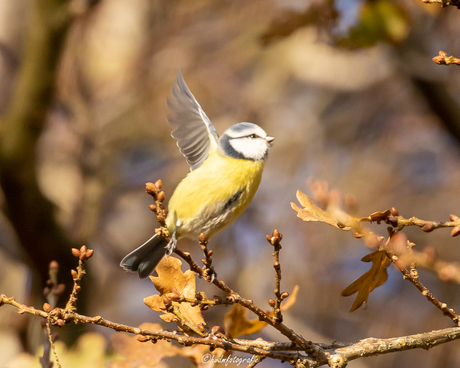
x,y
171,245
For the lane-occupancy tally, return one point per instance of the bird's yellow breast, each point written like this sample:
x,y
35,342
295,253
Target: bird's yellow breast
x,y
209,198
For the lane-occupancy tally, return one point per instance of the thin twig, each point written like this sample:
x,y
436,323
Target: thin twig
x,y
53,347
392,217
413,278
275,240
83,254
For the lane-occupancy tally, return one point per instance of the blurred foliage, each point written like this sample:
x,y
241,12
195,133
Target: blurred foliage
x,y
150,355
89,351
379,21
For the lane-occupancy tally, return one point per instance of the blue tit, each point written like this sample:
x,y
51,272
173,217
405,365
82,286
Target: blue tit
x,y
224,175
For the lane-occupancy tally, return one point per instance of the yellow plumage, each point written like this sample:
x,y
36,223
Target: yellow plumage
x,y
209,198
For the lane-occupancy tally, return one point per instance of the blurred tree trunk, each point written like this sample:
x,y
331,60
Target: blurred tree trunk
x,y
29,211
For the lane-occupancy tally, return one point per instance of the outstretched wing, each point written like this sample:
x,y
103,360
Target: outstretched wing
x,y
194,132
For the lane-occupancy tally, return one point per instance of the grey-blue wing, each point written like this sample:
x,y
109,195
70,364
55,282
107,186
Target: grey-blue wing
x,y
194,132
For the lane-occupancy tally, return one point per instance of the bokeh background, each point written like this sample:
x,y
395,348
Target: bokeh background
x,y
347,87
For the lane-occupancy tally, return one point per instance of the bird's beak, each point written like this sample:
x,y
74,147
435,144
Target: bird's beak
x,y
270,139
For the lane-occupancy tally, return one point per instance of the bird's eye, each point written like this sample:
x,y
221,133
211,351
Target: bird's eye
x,y
253,136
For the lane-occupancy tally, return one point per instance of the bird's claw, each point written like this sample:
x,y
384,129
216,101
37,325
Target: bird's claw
x,y
210,274
171,245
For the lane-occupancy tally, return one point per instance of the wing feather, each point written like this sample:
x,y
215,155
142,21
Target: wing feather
x,y
194,132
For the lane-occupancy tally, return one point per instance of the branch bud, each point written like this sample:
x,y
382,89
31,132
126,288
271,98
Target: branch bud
x,y
428,227
150,189
89,253
161,196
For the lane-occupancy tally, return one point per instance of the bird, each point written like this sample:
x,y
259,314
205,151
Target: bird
x,y
225,173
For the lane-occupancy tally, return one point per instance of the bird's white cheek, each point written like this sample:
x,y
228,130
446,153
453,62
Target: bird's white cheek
x,y
250,149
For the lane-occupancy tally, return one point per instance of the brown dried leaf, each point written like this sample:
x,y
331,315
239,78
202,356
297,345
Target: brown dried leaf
x,y
172,281
237,323
373,278
311,212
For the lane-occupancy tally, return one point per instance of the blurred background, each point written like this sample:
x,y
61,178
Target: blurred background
x,y
347,87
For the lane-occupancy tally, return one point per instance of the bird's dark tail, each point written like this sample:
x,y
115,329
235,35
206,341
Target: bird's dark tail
x,y
145,258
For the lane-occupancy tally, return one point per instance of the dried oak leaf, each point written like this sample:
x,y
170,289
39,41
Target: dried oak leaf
x,y
137,354
373,278
237,323
311,212
174,284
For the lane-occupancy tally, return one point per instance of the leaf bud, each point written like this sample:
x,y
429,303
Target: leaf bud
x,y
159,184
455,231
89,253
75,252
47,307
271,303
428,227
150,188
161,196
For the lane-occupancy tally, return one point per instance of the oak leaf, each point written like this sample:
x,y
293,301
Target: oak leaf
x,y
173,284
373,278
311,212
